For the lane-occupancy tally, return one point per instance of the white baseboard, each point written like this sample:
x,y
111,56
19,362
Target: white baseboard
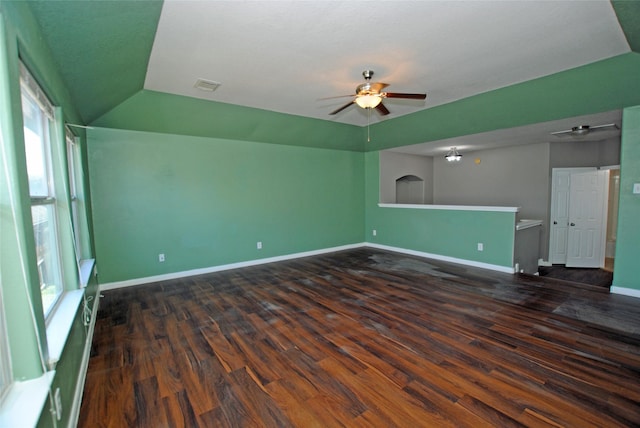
x,y
194,272
625,291
465,262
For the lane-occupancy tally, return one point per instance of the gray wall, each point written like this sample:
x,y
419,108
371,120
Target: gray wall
x,y
511,176
395,165
576,154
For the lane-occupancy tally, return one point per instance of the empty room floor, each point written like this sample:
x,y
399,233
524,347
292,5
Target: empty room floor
x,y
363,338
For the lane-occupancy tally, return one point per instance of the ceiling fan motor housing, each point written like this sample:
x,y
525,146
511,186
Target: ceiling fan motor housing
x,y
364,89
580,130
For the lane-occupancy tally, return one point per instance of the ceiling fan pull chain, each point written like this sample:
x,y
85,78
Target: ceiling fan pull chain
x,y
368,122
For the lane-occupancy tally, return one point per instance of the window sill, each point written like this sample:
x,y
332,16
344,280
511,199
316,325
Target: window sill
x,y
24,402
86,268
60,324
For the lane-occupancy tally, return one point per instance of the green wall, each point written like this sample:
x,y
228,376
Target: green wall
x,y
450,233
598,87
206,202
625,273
99,41
174,114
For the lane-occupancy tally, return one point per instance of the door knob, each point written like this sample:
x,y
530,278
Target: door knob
x,y
572,224
555,222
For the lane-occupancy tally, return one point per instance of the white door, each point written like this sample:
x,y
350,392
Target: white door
x,y
559,229
587,219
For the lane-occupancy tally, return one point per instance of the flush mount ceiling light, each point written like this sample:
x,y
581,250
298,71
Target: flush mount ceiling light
x,y
453,155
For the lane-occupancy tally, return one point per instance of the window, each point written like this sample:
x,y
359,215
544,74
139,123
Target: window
x,y
38,117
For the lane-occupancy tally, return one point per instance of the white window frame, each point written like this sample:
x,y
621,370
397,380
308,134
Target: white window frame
x,y
78,214
32,91
72,170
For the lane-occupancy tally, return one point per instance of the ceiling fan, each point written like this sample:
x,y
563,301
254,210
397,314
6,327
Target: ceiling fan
x,y
369,95
582,130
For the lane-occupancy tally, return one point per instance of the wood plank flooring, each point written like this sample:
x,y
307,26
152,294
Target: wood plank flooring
x,y
363,338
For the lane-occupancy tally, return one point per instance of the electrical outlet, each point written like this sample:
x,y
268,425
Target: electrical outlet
x,y
259,245
374,232
161,257
636,188
480,246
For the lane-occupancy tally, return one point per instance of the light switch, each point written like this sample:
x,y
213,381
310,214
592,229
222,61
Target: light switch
x,y
636,188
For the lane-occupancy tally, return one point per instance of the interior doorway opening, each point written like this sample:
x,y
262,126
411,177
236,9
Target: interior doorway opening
x,y
584,215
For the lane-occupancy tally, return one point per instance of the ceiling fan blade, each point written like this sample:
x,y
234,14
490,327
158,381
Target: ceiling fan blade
x,y
382,109
604,127
337,96
342,108
561,133
378,86
409,96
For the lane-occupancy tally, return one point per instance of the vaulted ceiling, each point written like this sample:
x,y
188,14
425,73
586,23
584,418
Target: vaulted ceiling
x,y
284,56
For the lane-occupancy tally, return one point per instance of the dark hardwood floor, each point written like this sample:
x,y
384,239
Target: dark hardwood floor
x,y
363,338
590,276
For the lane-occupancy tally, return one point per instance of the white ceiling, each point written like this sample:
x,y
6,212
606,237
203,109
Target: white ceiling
x,y
285,55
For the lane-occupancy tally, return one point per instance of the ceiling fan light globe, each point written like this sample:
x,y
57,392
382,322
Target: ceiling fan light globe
x,y
368,100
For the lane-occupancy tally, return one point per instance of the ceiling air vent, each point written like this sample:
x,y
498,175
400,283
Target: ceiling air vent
x,y
206,85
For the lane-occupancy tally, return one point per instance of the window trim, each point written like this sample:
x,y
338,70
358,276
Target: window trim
x,y
30,89
72,151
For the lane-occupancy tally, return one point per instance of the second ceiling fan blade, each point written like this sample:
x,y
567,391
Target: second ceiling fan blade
x,y
337,96
382,109
342,108
409,96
